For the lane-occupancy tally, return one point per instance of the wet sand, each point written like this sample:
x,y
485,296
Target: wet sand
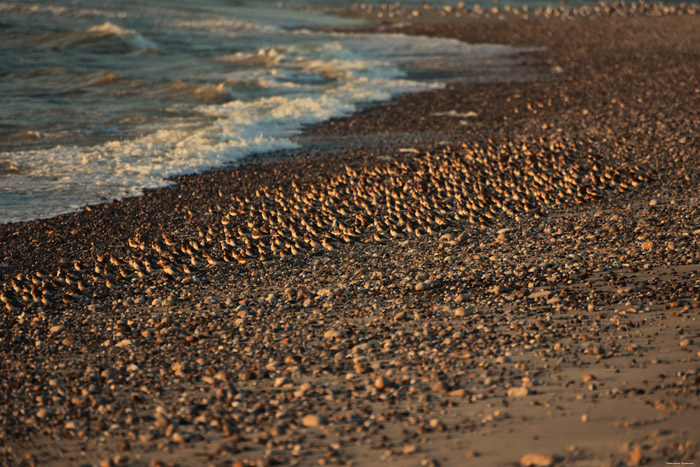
x,y
491,274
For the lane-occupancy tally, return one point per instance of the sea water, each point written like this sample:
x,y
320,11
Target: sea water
x,y
101,100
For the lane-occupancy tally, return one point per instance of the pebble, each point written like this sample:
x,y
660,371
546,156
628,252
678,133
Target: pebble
x,y
686,342
521,391
410,449
310,421
636,456
540,294
333,334
381,382
536,460
281,381
68,341
400,316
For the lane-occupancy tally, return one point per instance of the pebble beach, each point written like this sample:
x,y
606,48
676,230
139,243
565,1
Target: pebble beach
x,y
491,274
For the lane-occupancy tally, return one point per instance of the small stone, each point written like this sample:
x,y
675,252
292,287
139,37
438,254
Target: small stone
x,y
311,421
305,387
178,367
584,418
423,286
654,202
56,329
109,373
400,316
333,334
636,456
460,312
686,342
124,343
42,413
281,381
522,391
471,454
588,378
178,438
161,422
536,460
440,387
381,383
540,294
70,340
410,449
648,245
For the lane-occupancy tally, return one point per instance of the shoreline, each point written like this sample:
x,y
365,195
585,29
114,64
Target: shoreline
x,y
531,282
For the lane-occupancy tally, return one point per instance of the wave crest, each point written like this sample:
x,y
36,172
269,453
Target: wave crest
x,y
107,36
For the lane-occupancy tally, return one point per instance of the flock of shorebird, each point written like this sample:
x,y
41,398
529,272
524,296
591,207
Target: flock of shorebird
x,y
411,195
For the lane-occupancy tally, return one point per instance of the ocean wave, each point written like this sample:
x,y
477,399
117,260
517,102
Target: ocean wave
x,y
64,80
124,168
265,57
18,137
58,10
107,36
9,168
227,26
178,90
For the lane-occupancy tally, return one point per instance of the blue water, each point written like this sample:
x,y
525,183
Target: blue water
x,y
101,100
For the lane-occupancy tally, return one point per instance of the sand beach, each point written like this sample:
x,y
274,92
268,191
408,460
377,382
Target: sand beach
x,y
491,274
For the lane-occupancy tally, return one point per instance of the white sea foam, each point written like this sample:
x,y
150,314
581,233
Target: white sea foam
x,y
130,37
124,168
224,26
